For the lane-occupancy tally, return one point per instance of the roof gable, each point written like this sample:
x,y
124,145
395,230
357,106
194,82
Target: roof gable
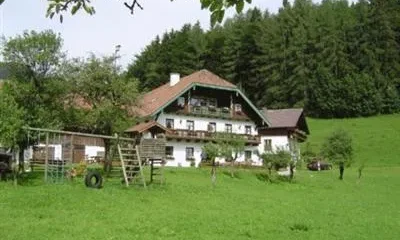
x,y
141,127
286,118
156,100
158,97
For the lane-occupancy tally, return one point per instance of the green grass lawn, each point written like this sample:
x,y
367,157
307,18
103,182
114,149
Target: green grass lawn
x,y
376,139
316,206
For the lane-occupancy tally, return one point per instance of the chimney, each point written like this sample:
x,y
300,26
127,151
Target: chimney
x,y
174,79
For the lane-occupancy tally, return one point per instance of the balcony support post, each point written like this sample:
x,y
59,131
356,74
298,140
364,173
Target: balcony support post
x,y
231,105
189,110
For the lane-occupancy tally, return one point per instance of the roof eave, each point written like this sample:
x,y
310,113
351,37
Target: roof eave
x,y
233,89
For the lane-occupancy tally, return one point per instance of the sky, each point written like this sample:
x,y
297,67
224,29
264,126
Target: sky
x,y
112,24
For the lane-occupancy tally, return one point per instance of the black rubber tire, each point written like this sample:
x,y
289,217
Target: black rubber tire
x,y
99,180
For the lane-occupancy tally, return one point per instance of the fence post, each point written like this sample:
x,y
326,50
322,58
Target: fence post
x,y
46,157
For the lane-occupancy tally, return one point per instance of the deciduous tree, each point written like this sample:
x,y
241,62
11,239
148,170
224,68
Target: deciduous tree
x,y
338,148
212,151
231,148
101,99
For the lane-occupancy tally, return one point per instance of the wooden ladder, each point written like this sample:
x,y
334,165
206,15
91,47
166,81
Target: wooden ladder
x,y
131,165
157,170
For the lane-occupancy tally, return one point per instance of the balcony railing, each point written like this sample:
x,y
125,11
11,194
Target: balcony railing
x,y
208,136
221,112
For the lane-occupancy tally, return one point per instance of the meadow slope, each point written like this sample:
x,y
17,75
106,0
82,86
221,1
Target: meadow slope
x,y
315,206
376,139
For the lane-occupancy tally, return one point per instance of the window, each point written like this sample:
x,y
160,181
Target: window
x,y
169,152
268,145
169,123
189,153
238,107
247,130
190,125
181,102
212,127
228,128
247,155
203,102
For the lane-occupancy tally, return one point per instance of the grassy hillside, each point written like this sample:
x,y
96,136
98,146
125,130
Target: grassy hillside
x,y
316,206
376,139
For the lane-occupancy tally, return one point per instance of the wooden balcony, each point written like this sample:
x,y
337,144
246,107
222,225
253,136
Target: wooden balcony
x,y
207,136
213,112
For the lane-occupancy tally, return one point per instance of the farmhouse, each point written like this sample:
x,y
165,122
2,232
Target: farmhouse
x,y
190,111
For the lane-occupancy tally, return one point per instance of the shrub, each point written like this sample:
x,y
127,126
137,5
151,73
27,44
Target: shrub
x,y
276,160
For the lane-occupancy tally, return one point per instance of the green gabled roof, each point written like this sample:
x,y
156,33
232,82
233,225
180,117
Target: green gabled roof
x,y
236,90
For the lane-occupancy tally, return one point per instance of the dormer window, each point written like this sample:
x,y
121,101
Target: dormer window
x,y
238,107
181,102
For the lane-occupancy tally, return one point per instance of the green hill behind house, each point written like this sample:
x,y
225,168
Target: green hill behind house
x,y
376,139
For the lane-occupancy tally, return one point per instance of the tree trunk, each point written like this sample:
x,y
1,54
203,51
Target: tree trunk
x,y
360,171
14,168
291,167
213,173
232,168
341,170
21,160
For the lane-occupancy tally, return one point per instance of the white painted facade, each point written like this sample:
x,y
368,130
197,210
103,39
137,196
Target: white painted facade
x,y
201,124
277,142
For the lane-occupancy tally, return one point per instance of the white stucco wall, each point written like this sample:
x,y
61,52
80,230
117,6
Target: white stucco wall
x,y
276,142
201,124
180,154
91,151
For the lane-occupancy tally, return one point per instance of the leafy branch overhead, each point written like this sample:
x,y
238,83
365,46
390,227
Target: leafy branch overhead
x,y
216,7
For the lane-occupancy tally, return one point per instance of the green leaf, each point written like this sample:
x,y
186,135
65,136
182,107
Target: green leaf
x,y
216,5
92,11
87,8
50,9
76,8
205,3
239,6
